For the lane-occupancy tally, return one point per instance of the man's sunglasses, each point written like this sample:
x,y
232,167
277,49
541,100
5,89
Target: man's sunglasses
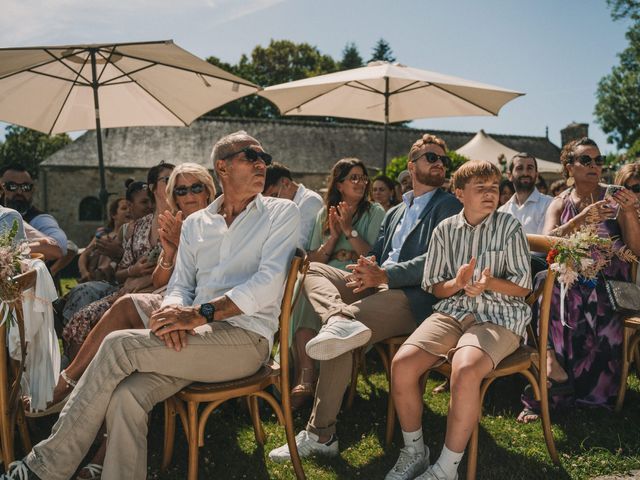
x,y
13,186
356,179
635,188
433,158
586,160
181,191
252,155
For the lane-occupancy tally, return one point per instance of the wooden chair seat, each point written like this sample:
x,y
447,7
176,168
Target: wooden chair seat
x,y
632,322
205,391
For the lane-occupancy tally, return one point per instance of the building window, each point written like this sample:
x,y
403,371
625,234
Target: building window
x,y
90,210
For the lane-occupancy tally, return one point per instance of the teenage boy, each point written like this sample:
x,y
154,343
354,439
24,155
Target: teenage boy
x,y
479,266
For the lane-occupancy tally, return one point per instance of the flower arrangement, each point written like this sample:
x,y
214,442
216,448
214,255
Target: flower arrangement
x,y
582,256
11,254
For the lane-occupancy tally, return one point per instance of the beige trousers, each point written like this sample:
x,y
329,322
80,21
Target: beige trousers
x,y
386,312
132,371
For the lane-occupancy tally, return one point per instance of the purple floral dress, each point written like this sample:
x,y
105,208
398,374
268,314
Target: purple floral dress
x,y
590,347
85,319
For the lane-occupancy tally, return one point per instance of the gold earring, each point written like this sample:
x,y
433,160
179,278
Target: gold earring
x,y
570,181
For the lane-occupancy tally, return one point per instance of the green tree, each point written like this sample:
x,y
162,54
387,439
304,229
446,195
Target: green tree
x,y
29,147
624,9
280,62
617,107
382,51
350,57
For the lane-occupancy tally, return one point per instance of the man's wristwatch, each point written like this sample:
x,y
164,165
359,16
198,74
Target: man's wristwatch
x,y
207,310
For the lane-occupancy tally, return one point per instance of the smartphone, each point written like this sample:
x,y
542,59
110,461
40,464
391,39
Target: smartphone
x,y
608,196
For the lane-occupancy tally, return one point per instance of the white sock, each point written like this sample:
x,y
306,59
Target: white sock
x,y
414,440
449,461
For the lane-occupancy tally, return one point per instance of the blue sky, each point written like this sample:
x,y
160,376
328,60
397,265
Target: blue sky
x,y
554,51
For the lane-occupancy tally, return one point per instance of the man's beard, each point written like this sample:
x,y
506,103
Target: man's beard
x,y
523,187
21,206
430,180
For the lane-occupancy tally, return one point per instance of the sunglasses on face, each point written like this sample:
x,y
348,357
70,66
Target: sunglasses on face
x,y
196,188
356,179
13,186
586,160
252,155
635,188
433,158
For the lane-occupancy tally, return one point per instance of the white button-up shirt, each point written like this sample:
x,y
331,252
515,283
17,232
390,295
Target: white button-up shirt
x,y
531,214
247,261
309,203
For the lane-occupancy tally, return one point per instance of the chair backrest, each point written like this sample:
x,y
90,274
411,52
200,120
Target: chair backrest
x,y
11,371
299,264
542,244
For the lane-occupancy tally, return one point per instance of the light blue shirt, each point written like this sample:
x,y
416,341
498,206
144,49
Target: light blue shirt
x,y
414,208
48,226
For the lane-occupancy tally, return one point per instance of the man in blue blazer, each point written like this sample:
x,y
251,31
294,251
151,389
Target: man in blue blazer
x,y
381,296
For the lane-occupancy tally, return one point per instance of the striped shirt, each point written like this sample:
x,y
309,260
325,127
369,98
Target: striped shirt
x,y
499,243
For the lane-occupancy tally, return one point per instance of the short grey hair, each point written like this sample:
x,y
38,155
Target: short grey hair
x,y
403,174
228,144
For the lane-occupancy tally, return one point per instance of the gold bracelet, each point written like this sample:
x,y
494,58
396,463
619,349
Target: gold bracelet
x,y
165,267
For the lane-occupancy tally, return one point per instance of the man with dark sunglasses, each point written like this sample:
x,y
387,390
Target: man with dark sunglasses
x,y
217,323
18,188
379,298
279,183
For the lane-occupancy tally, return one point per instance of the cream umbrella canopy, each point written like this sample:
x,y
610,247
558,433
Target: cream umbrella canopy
x,y
485,147
387,93
83,87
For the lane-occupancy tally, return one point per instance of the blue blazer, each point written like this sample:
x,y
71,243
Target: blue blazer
x,y
407,273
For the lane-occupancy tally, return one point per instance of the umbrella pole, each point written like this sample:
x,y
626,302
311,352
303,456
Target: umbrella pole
x,y
103,195
386,124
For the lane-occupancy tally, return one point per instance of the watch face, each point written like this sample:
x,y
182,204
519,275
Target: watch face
x,y
206,310
354,233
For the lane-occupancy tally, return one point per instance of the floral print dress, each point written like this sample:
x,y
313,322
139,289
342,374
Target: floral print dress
x,y
85,319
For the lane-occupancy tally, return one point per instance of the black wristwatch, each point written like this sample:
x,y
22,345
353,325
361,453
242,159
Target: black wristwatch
x,y
207,310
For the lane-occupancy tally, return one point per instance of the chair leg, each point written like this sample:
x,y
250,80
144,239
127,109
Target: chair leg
x,y
472,453
169,432
6,430
252,402
21,421
355,368
192,414
626,360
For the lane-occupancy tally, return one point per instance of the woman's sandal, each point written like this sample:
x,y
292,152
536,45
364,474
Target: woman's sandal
x,y
93,472
304,390
54,407
527,412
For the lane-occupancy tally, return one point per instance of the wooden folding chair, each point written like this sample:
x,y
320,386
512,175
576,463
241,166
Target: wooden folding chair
x,y
630,349
253,387
11,408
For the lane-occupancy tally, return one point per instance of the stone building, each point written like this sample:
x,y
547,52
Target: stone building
x,y
69,180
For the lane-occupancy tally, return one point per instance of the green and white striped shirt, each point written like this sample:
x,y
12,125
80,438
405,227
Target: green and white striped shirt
x,y
499,243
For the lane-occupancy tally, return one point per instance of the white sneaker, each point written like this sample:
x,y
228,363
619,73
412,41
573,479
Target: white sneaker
x,y
409,464
339,335
308,445
18,471
434,472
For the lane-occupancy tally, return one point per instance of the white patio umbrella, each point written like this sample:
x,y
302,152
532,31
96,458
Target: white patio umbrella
x,y
83,87
387,93
485,147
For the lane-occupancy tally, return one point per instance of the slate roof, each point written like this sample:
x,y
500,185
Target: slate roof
x,y
305,146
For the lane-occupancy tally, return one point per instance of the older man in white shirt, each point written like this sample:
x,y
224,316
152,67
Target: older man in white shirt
x,y
280,184
528,205
217,322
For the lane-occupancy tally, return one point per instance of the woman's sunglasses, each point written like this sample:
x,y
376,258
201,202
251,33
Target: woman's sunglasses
x,y
181,191
635,188
586,160
356,179
252,155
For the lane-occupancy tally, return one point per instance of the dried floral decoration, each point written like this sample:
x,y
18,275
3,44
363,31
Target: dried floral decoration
x,y
11,254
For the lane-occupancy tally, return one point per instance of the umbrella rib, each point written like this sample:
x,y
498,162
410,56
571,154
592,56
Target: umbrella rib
x,y
68,80
464,99
406,88
313,98
107,60
53,124
114,81
61,60
363,86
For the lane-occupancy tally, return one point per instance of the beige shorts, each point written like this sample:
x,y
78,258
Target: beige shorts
x,y
442,335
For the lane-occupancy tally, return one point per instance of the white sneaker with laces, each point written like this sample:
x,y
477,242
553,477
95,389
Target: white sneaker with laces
x,y
434,472
308,445
339,335
18,471
409,465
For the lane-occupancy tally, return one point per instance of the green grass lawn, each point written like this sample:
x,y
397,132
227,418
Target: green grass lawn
x,y
590,442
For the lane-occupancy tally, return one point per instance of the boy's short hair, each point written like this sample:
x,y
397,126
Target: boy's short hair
x,y
275,172
475,169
